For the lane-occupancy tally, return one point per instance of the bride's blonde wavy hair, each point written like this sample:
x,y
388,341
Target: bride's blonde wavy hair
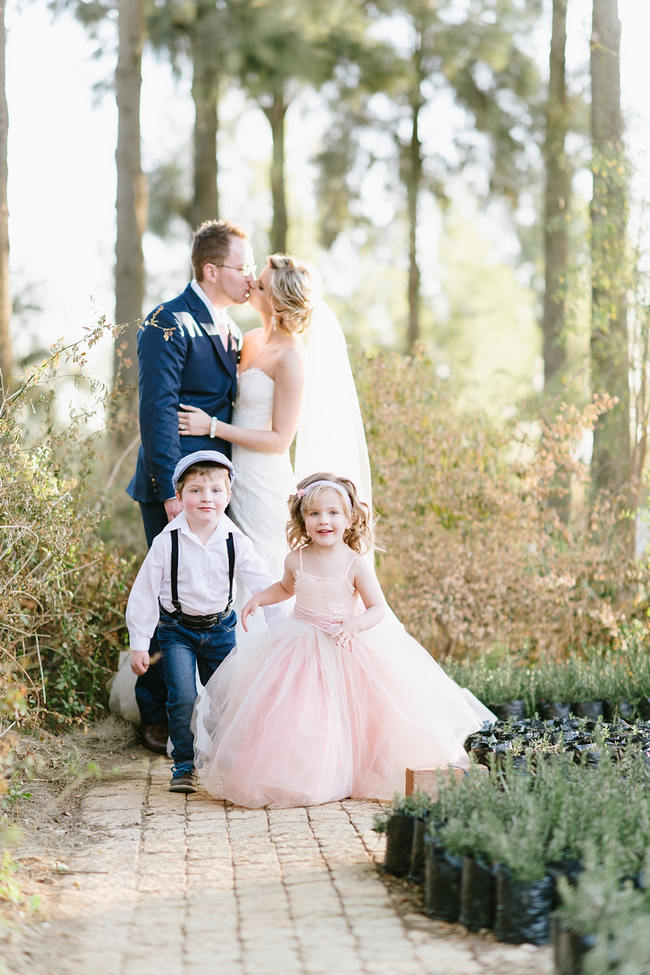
x,y
359,536
291,293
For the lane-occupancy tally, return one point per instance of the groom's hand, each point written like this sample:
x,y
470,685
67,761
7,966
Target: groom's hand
x,y
173,507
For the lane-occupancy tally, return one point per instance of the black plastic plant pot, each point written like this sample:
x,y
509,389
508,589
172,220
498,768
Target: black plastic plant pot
x,y
416,869
644,708
587,709
399,840
625,711
571,869
522,909
480,754
515,710
617,709
477,895
554,710
569,949
442,880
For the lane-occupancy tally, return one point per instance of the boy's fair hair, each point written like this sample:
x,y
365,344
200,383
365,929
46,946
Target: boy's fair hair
x,y
359,536
202,469
211,243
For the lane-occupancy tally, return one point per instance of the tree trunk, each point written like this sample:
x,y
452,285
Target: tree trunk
x,y
414,179
609,350
205,94
6,357
413,185
556,205
131,208
276,114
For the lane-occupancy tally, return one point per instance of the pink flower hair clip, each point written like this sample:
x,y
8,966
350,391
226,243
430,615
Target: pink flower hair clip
x,y
300,493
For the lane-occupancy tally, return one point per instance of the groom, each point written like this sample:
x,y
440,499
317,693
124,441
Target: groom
x,y
187,353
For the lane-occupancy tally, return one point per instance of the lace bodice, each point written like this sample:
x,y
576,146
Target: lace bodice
x,y
254,406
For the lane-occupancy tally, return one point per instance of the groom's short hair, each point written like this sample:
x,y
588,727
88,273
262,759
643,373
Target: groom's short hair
x,y
211,243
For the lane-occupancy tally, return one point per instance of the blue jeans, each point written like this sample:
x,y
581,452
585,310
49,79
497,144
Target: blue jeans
x,y
183,651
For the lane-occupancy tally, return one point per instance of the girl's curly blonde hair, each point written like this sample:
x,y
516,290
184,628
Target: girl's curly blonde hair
x,y
359,536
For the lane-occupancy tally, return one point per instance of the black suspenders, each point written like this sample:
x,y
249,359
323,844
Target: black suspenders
x,y
230,545
174,579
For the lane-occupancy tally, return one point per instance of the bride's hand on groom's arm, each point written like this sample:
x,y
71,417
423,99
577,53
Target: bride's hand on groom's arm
x,y
193,421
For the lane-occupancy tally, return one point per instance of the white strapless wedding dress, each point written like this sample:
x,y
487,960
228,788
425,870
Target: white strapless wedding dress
x,y
263,482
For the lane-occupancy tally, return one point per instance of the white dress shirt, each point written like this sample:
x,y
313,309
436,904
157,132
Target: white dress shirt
x,y
202,577
221,321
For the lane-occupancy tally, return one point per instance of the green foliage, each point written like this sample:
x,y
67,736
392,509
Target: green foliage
x,y
480,62
477,554
62,589
418,805
620,673
9,889
616,913
527,822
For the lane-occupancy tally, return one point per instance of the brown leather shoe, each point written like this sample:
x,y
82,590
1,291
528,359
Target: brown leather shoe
x,y
154,737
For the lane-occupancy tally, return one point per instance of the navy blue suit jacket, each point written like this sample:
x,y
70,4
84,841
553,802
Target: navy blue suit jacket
x,y
178,362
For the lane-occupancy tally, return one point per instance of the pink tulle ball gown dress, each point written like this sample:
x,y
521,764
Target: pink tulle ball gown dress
x,y
293,719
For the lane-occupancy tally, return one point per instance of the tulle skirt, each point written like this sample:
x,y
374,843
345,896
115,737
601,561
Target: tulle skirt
x,y
291,719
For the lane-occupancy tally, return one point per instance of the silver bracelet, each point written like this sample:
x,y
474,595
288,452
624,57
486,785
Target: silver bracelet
x,y
213,426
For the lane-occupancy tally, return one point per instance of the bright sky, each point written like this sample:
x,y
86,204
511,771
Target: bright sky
x,y
61,161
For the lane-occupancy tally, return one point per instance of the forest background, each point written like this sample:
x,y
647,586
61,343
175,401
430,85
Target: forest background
x,y
462,174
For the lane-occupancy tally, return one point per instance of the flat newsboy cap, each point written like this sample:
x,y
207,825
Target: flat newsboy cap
x,y
201,457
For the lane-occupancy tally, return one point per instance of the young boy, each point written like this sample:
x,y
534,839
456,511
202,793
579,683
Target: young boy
x,y
184,588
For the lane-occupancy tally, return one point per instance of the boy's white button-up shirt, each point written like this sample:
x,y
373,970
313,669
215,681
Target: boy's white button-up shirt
x,y
202,577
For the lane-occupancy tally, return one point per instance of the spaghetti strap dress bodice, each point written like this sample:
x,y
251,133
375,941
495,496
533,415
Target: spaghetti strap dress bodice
x,y
324,601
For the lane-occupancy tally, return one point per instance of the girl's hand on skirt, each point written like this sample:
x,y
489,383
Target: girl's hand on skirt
x,y
343,639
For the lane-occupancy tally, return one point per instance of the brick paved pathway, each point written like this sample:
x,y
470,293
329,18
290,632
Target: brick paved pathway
x,y
161,884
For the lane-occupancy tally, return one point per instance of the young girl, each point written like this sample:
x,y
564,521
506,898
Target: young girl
x,y
331,703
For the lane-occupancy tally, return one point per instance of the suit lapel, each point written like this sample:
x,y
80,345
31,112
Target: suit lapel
x,y
203,318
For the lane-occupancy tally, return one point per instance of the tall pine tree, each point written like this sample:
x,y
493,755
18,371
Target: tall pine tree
x,y
609,341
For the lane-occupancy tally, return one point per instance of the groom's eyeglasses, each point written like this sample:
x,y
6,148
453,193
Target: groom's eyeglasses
x,y
246,270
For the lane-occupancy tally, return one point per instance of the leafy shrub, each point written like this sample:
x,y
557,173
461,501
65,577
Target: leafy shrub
x,y
562,812
478,553
62,589
616,913
620,673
